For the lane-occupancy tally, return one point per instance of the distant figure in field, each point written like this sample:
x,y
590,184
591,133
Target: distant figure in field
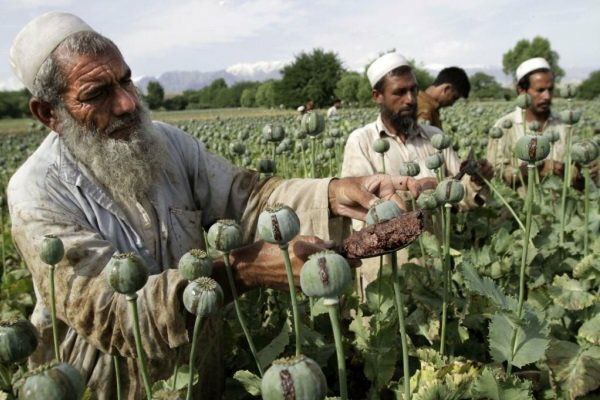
x,y
309,106
333,110
451,84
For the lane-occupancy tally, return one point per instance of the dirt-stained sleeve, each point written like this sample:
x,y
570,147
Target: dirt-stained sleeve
x,y
84,300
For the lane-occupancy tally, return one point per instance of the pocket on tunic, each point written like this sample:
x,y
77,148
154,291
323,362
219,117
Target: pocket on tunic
x,y
185,231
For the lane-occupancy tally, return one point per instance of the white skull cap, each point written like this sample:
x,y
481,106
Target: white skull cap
x,y
36,41
531,65
383,65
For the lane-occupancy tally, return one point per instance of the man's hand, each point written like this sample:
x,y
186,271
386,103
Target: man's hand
x,y
551,167
418,186
352,197
261,264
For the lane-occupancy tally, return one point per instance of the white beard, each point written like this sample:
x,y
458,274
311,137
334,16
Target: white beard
x,y
128,169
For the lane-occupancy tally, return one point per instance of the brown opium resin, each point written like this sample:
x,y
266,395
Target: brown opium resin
x,y
384,237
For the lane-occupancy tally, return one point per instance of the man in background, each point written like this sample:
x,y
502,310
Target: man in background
x,y
333,110
451,84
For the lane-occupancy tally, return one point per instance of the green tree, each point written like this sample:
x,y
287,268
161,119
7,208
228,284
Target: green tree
x,y
265,94
312,75
590,88
525,49
424,78
248,97
155,96
347,87
364,93
484,86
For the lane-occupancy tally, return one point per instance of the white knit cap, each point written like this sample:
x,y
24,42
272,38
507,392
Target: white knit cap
x,y
531,65
383,65
36,41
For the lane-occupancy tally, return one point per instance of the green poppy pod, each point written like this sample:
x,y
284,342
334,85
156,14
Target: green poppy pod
x,y
225,235
325,274
570,117
427,200
534,126
523,101
237,148
584,152
449,191
52,249
381,146
568,91
278,224
496,132
266,166
328,143
203,296
532,148
52,382
507,124
18,340
381,211
194,264
483,142
297,378
552,136
434,161
312,123
126,273
409,168
441,141
273,133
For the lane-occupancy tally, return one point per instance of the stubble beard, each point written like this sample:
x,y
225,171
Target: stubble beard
x,y
128,169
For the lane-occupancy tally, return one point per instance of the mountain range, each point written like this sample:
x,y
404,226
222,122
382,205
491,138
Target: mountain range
x,y
174,82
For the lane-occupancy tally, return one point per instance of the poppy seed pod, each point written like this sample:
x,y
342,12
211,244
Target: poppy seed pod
x,y
427,200
298,378
325,274
381,146
449,191
312,123
278,224
534,126
52,249
441,141
194,264
225,235
568,91
409,168
126,273
434,161
496,133
570,117
266,166
507,124
584,152
203,296
52,382
381,211
523,100
18,340
273,133
552,136
328,143
532,148
237,148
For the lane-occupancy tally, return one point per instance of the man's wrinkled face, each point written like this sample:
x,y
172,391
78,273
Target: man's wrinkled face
x,y
541,90
100,94
399,96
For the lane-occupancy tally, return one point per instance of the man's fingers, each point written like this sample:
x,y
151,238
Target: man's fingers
x,y
356,212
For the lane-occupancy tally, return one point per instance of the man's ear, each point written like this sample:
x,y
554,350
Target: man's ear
x,y
377,96
44,112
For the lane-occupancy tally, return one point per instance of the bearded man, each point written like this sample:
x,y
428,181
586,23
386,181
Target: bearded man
x,y
108,179
394,89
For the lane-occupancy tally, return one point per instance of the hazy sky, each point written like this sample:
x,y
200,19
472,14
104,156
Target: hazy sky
x,y
205,35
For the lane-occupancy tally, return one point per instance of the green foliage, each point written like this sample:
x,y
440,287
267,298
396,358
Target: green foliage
x,y
266,95
348,86
155,95
484,86
311,76
576,368
424,78
250,381
248,97
490,387
14,104
526,49
590,88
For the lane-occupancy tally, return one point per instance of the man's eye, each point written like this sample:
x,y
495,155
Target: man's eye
x,y
96,94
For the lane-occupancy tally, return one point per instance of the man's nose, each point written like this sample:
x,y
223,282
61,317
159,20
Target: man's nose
x,y
124,103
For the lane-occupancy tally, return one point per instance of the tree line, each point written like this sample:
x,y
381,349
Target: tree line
x,y
320,76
